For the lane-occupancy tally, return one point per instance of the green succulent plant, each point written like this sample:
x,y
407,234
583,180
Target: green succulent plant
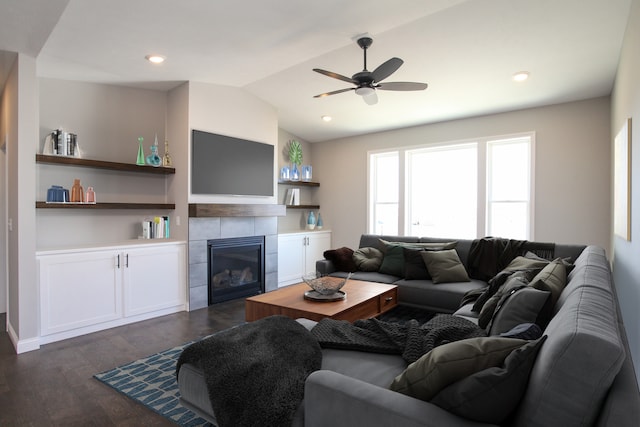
x,y
295,152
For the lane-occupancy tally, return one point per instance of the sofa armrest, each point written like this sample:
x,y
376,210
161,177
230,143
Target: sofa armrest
x,y
337,400
325,267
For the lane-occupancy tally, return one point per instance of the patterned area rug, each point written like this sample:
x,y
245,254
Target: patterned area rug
x,y
151,381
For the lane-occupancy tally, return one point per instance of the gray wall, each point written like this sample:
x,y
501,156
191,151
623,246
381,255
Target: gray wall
x,y
626,103
572,169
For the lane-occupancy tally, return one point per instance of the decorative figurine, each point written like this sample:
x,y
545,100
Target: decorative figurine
x,y
166,159
154,159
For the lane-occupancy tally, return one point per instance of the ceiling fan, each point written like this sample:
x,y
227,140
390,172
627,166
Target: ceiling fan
x,y
368,81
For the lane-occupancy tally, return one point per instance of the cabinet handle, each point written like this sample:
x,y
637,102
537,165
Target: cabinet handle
x,y
126,260
118,262
388,299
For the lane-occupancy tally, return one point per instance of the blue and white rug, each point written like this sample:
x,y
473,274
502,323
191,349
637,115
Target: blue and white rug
x,y
152,382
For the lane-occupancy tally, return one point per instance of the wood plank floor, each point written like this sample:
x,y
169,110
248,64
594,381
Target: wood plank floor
x,y
54,386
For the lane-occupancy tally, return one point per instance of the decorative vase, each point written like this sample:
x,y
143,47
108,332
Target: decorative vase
x,y
295,173
306,172
140,160
77,192
319,223
153,159
311,221
91,195
166,160
284,173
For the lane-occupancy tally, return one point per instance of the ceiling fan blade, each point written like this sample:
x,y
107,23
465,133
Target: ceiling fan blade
x,y
335,76
371,99
322,95
402,86
386,69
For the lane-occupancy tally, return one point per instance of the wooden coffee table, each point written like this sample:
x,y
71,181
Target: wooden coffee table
x,y
363,300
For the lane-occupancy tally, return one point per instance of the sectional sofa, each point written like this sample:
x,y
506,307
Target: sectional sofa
x,y
580,375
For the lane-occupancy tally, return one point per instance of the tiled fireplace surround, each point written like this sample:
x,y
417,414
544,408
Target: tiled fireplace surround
x,y
203,227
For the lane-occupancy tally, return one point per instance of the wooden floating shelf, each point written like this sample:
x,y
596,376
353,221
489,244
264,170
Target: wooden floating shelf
x,y
209,210
101,164
300,183
45,205
303,206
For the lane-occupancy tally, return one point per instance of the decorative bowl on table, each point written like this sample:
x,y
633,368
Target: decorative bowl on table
x,y
325,288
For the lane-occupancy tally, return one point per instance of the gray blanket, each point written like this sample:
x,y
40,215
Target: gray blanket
x,y
411,340
255,372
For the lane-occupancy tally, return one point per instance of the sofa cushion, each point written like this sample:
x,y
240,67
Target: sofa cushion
x,y
342,258
521,305
552,278
445,266
441,297
393,261
448,363
394,254
491,395
368,259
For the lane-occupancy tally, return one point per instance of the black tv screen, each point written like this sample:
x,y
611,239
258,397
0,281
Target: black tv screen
x,y
230,166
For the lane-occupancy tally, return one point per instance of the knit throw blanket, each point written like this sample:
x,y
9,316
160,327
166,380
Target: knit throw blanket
x,y
255,372
411,340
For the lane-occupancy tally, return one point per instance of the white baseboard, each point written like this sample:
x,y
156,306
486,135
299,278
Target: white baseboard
x,y
22,346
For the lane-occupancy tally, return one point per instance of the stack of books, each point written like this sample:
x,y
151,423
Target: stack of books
x,y
156,228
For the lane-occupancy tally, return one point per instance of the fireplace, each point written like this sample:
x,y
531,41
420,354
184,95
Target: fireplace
x,y
235,268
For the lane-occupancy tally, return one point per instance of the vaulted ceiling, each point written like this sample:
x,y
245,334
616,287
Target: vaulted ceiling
x,y
466,50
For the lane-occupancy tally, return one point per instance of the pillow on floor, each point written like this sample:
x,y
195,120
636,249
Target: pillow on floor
x,y
368,259
445,266
491,395
342,259
448,363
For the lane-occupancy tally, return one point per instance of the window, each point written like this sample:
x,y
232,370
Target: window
x,y
465,190
384,192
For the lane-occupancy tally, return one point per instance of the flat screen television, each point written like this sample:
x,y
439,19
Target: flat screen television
x,y
223,165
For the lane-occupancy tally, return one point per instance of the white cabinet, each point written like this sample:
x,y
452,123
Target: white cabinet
x,y
298,253
86,290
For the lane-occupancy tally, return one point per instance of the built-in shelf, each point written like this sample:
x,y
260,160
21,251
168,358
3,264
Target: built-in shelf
x,y
121,205
208,210
101,164
300,183
303,206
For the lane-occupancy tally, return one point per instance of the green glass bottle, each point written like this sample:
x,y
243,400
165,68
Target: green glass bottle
x,y
140,160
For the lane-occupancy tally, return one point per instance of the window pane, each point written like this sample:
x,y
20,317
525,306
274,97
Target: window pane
x,y
442,191
509,220
386,216
509,171
387,178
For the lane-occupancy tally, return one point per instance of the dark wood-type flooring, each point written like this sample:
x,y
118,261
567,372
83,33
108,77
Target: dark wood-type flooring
x,y
54,386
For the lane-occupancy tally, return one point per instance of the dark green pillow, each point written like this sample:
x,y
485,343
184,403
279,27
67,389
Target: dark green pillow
x,y
515,280
451,362
491,395
445,266
367,259
552,278
393,261
414,266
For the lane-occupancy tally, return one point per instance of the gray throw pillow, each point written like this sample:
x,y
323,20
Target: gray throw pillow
x,y
368,259
523,305
516,280
445,266
491,395
451,362
393,261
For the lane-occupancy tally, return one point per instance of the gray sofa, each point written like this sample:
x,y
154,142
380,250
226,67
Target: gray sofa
x,y
582,376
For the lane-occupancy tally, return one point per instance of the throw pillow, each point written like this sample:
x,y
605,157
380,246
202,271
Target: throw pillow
x,y
451,362
368,259
445,266
491,395
414,266
552,278
384,244
515,280
342,259
521,305
393,261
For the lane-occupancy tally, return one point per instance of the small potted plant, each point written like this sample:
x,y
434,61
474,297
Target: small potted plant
x,y
295,157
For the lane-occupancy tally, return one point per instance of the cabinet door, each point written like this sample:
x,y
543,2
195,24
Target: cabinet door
x,y
317,243
154,278
290,259
79,289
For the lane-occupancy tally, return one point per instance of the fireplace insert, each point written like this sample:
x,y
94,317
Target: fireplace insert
x,y
235,268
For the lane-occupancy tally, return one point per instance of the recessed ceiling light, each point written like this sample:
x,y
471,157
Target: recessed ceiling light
x,y
156,59
326,118
521,76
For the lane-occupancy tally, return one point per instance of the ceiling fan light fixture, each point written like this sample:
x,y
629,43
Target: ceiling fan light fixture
x,y
520,76
365,90
326,118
